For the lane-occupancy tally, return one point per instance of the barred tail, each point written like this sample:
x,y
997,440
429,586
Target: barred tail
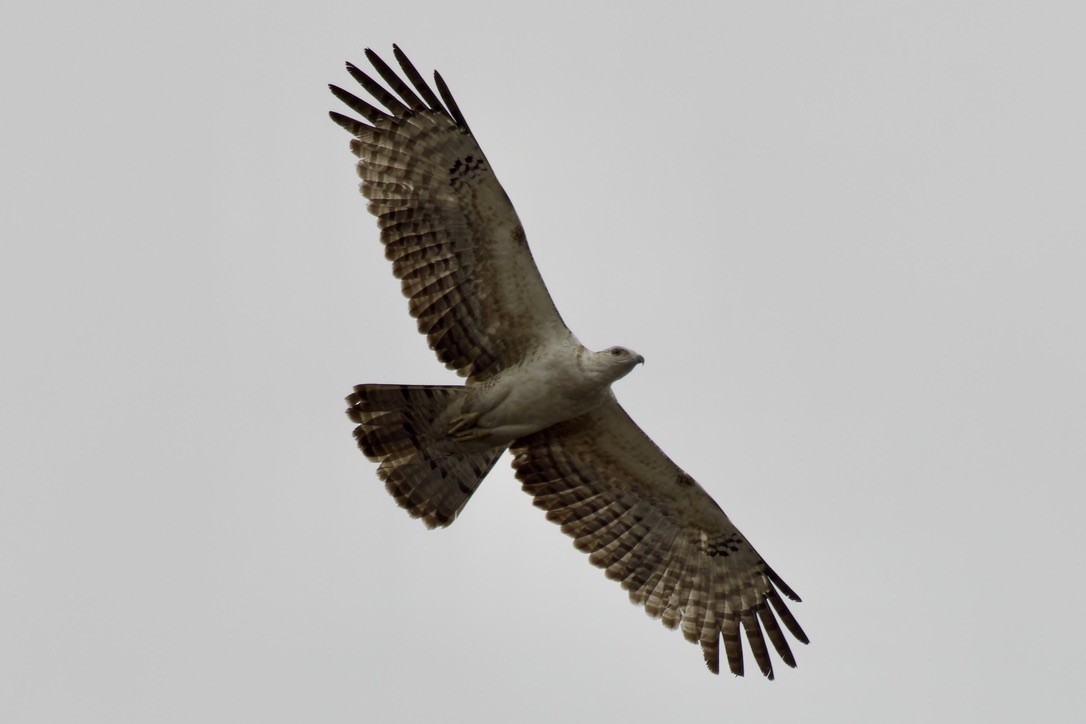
x,y
420,470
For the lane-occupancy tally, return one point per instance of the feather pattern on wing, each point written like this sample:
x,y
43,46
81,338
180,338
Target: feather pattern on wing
x,y
651,527
448,227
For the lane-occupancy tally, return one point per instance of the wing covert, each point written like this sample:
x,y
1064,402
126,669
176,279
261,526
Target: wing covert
x,y
448,228
651,526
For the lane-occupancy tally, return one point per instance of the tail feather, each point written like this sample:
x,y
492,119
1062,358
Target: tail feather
x,y
424,475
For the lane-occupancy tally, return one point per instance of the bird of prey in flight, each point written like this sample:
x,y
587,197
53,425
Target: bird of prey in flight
x,y
531,387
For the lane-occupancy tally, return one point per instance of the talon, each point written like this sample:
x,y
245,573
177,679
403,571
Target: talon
x,y
461,423
475,433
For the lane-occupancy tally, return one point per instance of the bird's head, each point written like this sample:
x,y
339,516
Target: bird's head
x,y
616,362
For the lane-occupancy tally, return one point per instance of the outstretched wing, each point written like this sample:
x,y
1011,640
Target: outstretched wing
x,y
448,228
654,529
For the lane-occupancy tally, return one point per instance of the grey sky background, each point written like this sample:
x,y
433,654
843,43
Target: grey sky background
x,y
849,238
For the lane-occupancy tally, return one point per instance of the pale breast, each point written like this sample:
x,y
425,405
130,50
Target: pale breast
x,y
541,392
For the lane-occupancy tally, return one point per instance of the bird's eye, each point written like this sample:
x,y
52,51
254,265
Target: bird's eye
x,y
616,351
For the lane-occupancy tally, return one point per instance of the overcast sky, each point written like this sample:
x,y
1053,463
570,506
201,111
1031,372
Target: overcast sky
x,y
849,238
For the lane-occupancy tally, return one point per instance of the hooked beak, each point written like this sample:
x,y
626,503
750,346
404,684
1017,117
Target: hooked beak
x,y
639,360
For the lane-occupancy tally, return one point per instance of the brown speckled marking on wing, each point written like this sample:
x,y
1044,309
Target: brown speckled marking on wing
x,y
395,429
448,228
650,526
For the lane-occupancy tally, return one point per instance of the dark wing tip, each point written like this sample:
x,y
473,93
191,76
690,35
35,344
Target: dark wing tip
x,y
757,643
347,123
776,636
395,82
786,616
779,583
450,102
375,89
418,81
356,104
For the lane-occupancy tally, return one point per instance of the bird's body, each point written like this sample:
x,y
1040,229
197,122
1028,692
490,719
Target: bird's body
x,y
457,246
555,383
